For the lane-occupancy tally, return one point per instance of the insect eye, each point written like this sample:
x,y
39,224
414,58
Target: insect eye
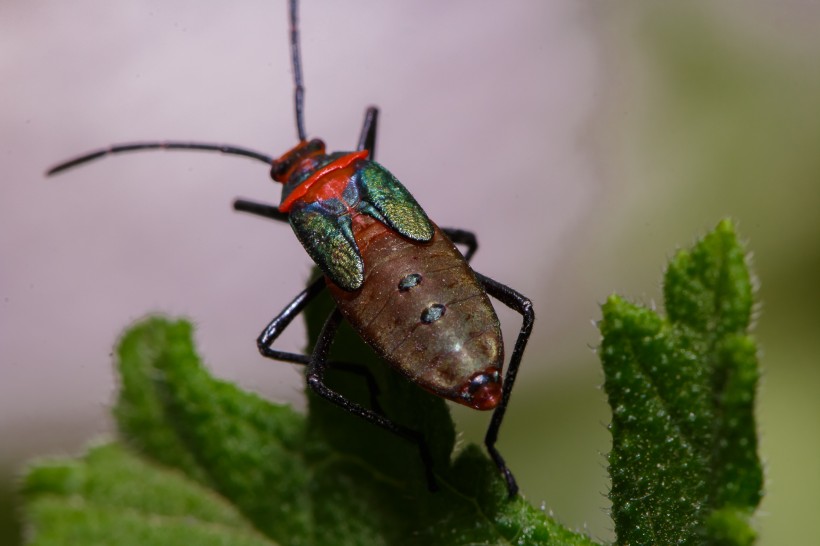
x,y
277,169
315,146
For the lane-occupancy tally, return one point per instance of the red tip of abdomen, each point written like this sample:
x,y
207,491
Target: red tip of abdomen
x,y
483,391
487,397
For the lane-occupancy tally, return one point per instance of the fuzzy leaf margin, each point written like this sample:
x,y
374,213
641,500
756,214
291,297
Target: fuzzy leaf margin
x,y
684,461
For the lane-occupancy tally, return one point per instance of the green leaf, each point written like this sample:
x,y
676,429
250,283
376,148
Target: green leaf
x,y
684,461
220,465
110,496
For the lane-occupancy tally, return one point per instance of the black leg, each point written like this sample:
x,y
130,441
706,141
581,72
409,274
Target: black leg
x,y
364,372
315,379
522,305
367,138
260,209
283,319
462,237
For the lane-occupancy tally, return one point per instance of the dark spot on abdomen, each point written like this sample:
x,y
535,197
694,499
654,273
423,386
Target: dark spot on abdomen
x,y
432,313
409,281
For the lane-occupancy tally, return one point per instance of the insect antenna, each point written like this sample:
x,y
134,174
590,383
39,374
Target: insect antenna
x,y
296,60
299,97
160,145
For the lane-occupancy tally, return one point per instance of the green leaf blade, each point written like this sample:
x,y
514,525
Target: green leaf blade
x,y
709,288
657,476
684,461
739,475
109,496
233,441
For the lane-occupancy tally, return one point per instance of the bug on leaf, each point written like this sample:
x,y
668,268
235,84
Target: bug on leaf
x,y
395,276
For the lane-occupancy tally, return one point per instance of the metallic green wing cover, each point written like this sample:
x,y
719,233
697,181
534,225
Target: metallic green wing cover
x,y
328,239
397,208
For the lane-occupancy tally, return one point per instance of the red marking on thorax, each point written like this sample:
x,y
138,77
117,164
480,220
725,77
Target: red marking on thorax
x,y
327,182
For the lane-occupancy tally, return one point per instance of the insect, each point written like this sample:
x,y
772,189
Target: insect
x,y
395,276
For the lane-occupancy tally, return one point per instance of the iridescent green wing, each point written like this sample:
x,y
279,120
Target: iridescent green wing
x,y
392,202
329,241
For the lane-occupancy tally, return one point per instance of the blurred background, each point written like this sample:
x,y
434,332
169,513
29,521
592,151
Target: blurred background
x,y
583,141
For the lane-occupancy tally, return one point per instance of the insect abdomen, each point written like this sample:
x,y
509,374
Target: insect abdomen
x,y
422,309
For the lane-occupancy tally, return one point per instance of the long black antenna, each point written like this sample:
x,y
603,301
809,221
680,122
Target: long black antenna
x,y
299,98
296,59
164,145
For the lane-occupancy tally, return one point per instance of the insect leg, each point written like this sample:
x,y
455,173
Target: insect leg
x,y
367,138
315,379
462,237
522,305
283,319
260,209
